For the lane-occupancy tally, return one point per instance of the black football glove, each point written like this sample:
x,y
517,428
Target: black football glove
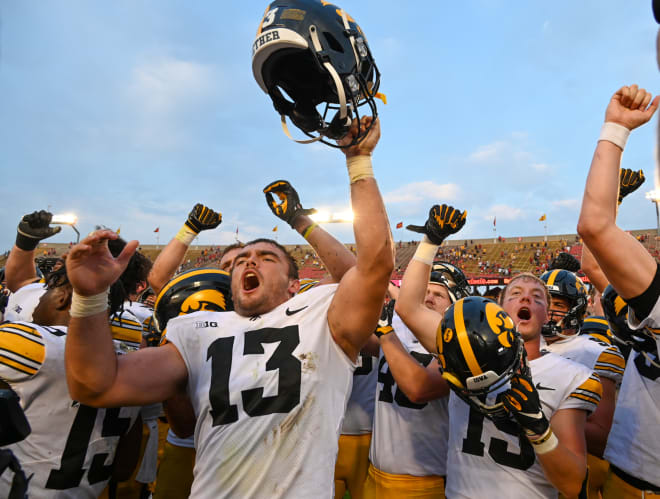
x,y
385,322
443,221
523,403
629,181
289,207
203,218
33,228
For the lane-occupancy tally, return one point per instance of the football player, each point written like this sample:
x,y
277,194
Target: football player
x,y
72,446
633,443
540,448
269,382
412,403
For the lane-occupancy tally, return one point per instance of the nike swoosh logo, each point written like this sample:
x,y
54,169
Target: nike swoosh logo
x,y
291,312
540,387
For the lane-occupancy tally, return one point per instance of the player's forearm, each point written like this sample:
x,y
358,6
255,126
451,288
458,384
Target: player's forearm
x,y
336,257
600,193
592,270
415,381
19,269
564,469
91,362
180,415
373,238
166,264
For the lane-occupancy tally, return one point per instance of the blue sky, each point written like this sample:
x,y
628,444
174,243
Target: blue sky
x,y
129,112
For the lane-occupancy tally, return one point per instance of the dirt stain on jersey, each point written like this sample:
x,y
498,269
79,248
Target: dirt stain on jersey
x,y
308,360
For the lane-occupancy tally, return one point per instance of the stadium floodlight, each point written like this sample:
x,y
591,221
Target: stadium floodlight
x,y
327,217
67,219
654,197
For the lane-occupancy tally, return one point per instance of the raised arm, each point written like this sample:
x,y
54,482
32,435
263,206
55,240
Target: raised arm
x,y
624,261
417,375
334,255
96,376
422,321
200,218
356,306
32,228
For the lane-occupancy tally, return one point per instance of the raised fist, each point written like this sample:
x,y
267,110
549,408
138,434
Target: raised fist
x,y
443,221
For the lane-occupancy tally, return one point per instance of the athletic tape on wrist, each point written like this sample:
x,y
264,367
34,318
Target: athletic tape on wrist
x,y
425,251
84,306
614,133
547,443
309,230
359,167
186,235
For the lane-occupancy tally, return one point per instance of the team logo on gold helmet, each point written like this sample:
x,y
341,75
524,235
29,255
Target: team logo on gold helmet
x,y
567,285
193,291
479,350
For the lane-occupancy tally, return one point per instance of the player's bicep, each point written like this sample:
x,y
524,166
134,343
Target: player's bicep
x,y
147,376
355,309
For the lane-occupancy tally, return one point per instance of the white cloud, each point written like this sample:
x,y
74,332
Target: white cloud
x,y
489,152
504,212
540,167
572,204
165,85
418,191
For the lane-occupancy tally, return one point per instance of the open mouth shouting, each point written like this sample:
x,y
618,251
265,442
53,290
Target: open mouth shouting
x,y
251,281
524,314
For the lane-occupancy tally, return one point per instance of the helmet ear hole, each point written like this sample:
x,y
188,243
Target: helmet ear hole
x,y
332,42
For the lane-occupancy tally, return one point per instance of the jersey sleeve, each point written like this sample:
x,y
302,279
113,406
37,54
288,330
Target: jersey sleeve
x,y
22,351
585,396
610,364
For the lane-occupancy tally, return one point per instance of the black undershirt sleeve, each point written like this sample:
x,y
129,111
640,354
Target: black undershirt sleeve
x,y
644,303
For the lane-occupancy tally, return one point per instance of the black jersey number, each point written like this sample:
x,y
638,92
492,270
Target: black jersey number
x,y
385,377
497,449
254,402
366,365
647,370
71,468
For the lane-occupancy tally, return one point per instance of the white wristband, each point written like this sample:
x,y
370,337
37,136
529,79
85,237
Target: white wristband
x,y
614,133
359,167
547,443
426,251
186,235
84,306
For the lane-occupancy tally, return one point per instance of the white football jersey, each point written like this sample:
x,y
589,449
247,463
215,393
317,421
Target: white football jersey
x,y
633,444
71,448
359,416
269,393
408,438
22,303
604,359
485,460
652,322
139,310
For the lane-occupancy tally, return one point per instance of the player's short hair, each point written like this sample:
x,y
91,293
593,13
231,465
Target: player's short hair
x,y
529,277
293,267
230,248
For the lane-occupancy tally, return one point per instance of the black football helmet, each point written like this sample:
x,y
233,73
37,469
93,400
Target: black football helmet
x,y
598,327
616,311
479,350
451,277
568,285
309,53
192,291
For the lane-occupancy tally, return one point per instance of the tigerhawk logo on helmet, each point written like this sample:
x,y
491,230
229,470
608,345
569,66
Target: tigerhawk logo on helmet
x,y
310,53
481,354
567,285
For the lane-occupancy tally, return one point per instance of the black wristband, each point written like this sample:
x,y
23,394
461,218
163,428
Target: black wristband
x,y
26,243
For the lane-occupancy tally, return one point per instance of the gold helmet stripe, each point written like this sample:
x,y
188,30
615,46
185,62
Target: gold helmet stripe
x,y
464,341
186,275
552,277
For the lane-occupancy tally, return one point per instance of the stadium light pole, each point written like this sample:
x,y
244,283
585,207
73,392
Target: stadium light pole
x,y
654,197
67,219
